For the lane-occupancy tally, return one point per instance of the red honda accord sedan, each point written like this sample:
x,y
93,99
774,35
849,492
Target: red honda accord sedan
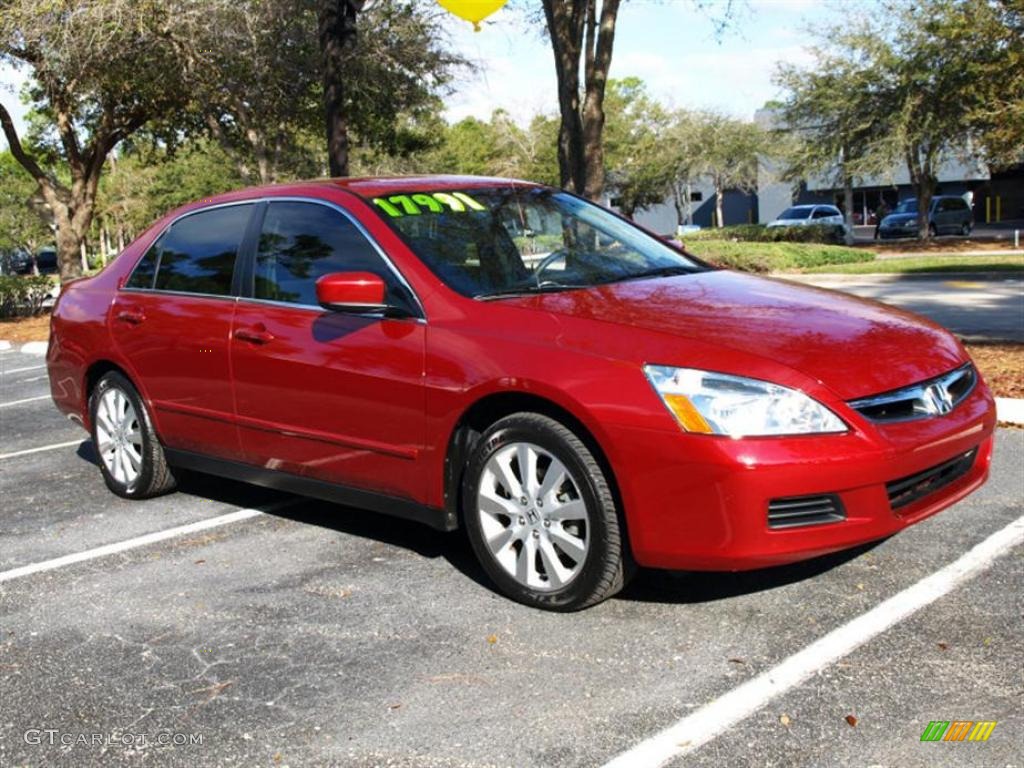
x,y
501,356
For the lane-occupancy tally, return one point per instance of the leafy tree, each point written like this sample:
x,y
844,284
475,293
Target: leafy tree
x,y
636,145
100,69
377,66
582,34
682,155
928,80
24,221
729,155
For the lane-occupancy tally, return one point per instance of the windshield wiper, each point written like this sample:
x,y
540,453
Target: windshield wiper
x,y
526,290
656,272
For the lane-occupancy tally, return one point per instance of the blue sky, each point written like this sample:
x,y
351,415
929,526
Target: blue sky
x,y
668,43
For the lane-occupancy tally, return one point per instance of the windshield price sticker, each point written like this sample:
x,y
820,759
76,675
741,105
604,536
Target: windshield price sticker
x,y
434,202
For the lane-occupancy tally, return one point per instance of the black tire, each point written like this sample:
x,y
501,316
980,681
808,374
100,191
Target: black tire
x,y
933,231
154,476
965,229
605,567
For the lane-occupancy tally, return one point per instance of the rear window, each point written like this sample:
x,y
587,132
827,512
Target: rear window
x,y
795,213
197,254
824,213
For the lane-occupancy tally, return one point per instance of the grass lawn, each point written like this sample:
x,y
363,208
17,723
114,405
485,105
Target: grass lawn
x,y
924,264
775,257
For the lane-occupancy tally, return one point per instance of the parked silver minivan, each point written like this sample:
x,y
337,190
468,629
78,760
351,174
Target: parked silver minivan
x,y
948,215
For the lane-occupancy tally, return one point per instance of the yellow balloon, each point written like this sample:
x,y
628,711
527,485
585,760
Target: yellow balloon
x,y
472,10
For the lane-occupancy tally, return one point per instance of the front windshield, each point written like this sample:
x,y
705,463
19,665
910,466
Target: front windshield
x,y
795,213
512,240
907,206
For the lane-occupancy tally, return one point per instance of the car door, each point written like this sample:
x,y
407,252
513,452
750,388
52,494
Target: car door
x,y
326,395
172,323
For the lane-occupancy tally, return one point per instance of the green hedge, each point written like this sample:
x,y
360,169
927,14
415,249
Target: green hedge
x,y
759,233
775,257
24,295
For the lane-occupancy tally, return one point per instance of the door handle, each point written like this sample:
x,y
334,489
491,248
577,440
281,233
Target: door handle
x,y
257,335
131,316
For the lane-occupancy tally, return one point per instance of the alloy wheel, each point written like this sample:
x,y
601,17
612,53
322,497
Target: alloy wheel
x,y
533,518
119,436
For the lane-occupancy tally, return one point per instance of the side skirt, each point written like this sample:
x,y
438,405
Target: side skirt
x,y
317,489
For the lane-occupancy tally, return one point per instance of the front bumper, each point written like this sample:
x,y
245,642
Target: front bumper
x,y
701,503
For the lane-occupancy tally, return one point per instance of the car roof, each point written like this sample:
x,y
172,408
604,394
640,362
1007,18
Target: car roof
x,y
364,186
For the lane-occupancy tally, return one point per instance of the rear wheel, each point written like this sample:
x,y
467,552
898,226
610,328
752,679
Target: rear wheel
x,y
965,228
933,231
131,457
541,516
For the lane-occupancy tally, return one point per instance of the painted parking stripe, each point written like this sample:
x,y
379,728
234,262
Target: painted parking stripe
x,y
141,541
26,400
29,381
42,448
713,719
22,370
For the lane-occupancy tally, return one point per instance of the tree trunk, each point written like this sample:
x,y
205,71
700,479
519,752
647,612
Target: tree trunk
x,y
599,59
565,20
336,21
576,31
719,206
677,203
848,207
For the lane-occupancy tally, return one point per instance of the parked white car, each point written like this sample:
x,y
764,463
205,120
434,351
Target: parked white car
x,y
806,215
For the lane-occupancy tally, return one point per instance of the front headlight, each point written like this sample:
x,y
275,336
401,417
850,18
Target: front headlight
x,y
720,404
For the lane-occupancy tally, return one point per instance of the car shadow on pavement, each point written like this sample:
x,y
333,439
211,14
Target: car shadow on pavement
x,y
657,586
648,586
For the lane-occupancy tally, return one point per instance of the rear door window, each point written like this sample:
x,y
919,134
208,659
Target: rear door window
x,y
197,254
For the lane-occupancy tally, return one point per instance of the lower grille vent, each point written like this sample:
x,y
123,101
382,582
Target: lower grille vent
x,y
907,490
805,510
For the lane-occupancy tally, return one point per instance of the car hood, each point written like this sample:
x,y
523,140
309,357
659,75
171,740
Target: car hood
x,y
853,346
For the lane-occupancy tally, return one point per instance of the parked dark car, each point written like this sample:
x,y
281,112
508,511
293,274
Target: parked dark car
x,y
947,215
46,262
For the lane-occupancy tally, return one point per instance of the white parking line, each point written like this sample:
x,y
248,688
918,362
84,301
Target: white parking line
x,y
22,370
713,719
42,448
141,541
26,400
29,381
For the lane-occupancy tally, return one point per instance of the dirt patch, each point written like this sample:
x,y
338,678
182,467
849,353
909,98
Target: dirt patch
x,y
22,329
1002,366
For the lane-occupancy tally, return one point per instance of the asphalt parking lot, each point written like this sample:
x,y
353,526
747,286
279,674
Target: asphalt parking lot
x,y
320,635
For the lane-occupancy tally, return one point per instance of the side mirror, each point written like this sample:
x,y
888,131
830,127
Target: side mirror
x,y
357,292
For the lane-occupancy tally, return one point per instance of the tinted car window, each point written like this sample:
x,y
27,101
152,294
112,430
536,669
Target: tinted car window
x,y
822,213
197,255
301,242
145,270
799,212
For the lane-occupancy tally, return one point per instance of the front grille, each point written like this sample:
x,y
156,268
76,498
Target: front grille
x,y
805,510
926,399
907,490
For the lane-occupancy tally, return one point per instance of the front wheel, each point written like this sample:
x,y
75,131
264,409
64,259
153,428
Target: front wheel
x,y
131,457
541,516
965,229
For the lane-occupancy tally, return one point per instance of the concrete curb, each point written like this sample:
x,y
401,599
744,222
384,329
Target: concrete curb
x,y
28,348
1010,409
